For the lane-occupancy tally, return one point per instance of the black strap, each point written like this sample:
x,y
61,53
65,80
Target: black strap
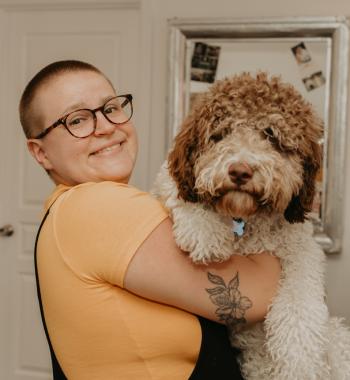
x,y
217,359
56,368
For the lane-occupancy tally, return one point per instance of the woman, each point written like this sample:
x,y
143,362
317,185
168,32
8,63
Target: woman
x,y
119,299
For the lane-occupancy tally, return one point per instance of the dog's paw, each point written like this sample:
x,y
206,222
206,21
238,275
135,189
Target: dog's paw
x,y
203,234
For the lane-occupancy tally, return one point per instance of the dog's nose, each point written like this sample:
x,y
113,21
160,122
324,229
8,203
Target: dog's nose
x,y
240,173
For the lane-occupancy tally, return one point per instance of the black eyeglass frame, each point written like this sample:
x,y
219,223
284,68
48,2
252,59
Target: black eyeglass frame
x,y
63,119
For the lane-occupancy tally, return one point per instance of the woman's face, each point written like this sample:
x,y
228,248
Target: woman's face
x,y
109,154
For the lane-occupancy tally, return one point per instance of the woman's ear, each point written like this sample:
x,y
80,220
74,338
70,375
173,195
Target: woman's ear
x,y
37,150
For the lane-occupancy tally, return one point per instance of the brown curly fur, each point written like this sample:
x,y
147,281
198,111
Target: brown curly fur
x,y
268,105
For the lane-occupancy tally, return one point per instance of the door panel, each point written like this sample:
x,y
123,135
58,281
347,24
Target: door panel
x,y
107,38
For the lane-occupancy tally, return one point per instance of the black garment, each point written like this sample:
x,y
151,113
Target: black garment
x,y
58,373
217,360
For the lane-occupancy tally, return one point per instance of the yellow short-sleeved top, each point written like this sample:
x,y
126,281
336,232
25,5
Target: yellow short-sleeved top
x,y
99,330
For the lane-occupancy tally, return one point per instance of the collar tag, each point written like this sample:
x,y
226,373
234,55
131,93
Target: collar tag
x,y
238,226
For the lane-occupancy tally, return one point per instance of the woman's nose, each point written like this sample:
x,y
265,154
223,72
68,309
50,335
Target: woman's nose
x,y
103,125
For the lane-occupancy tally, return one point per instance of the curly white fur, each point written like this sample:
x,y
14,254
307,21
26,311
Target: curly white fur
x,y
298,340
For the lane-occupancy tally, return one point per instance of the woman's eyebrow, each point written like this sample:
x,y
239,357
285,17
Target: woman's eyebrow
x,y
73,107
80,105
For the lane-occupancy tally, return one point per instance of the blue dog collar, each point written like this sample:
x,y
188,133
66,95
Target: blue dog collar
x,y
238,226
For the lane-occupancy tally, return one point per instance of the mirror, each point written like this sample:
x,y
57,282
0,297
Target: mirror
x,y
311,54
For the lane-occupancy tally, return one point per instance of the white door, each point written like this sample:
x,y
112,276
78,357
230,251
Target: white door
x,y
108,38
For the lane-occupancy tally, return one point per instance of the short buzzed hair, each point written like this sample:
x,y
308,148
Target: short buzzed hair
x,y
29,120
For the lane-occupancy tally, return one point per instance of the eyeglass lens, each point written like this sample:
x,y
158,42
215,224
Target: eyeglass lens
x,y
81,123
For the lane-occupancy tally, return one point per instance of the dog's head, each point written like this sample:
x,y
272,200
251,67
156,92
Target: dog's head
x,y
250,144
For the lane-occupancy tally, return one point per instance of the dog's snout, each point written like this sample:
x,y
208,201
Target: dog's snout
x,y
240,173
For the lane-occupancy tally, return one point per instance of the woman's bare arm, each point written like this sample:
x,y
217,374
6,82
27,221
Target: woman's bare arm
x,y
235,292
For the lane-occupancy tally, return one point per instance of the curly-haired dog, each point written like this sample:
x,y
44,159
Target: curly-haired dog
x,y
250,150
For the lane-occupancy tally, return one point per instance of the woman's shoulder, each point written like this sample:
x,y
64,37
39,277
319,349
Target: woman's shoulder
x,y
105,188
88,190
99,191
99,227
96,198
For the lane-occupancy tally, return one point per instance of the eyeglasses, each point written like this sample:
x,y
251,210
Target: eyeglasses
x,y
82,123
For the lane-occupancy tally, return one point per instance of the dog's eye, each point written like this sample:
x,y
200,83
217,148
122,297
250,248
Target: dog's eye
x,y
219,135
216,137
269,132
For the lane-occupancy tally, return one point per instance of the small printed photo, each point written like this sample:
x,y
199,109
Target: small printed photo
x,y
301,54
314,81
204,62
318,78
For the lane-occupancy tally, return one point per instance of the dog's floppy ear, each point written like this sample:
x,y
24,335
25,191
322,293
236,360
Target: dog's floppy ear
x,y
301,204
181,160
187,147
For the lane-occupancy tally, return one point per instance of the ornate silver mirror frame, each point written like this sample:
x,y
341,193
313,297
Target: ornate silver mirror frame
x,y
334,33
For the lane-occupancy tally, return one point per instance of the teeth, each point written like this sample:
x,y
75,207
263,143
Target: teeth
x,y
107,149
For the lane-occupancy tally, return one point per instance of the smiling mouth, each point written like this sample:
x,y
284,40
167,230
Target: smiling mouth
x,y
108,149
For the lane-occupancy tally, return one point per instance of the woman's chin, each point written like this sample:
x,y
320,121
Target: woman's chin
x,y
121,177
116,171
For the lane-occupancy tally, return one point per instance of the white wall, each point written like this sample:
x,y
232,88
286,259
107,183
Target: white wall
x,y
338,275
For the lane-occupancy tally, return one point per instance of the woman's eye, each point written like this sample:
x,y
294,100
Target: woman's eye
x,y
110,109
75,121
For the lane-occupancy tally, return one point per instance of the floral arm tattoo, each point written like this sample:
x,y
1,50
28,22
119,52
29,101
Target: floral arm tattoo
x,y
231,304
